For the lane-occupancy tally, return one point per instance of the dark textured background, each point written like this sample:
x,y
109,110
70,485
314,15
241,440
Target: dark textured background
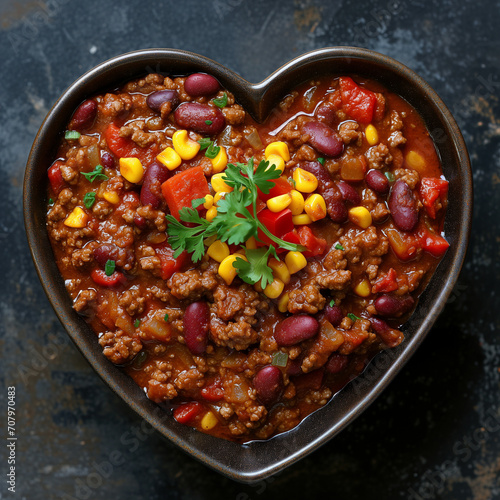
x,y
435,433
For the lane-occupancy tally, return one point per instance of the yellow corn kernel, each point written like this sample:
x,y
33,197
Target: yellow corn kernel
x,y
209,421
112,197
371,135
220,161
280,270
315,207
218,196
301,219
218,250
297,203
273,290
77,218
251,243
226,269
305,182
170,158
277,148
218,183
279,203
211,213
295,261
363,288
184,146
283,303
361,217
415,161
209,201
131,169
277,161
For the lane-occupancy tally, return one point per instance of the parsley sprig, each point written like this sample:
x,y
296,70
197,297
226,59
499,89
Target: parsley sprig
x,y
96,174
234,223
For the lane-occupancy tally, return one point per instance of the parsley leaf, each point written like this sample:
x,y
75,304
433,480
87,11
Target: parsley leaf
x,y
89,200
221,102
332,302
204,143
256,269
72,134
110,267
137,322
321,160
95,174
338,246
352,316
212,151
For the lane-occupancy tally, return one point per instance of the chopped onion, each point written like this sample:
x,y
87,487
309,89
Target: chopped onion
x,y
253,139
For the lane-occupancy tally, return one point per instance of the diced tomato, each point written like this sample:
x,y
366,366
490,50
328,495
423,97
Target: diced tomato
x,y
432,189
181,189
281,186
434,244
55,177
213,391
123,147
278,223
169,264
315,246
186,412
99,277
352,339
404,245
387,283
291,237
357,102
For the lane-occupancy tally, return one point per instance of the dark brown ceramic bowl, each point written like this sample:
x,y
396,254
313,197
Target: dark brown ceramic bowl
x,y
258,460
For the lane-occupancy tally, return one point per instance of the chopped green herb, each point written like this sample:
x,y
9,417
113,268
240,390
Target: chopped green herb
x,y
137,322
321,160
332,302
196,203
51,201
212,151
208,122
352,316
89,199
109,268
280,359
165,317
204,143
95,174
72,134
390,176
338,246
221,102
256,268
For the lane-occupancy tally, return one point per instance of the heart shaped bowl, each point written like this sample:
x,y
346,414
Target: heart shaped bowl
x,y
259,459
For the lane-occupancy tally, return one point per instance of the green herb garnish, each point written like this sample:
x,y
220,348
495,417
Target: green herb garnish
x,y
137,322
208,122
95,174
204,143
352,316
212,151
332,302
89,199
256,269
338,246
280,359
165,317
72,134
390,176
321,160
51,201
110,267
221,102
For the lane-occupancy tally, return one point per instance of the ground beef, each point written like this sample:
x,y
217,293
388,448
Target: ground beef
x,y
378,156
84,299
396,139
193,284
348,132
234,114
306,299
119,347
115,105
133,300
411,177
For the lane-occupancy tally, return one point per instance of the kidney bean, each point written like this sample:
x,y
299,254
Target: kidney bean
x,y
326,113
105,252
201,118
160,97
196,318
156,174
84,115
403,206
294,366
107,160
334,314
200,84
140,222
377,181
295,329
335,205
390,305
324,139
336,363
269,384
390,336
349,193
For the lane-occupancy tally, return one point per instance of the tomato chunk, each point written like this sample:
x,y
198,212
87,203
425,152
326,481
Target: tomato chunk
x,y
123,147
213,391
357,102
281,186
432,190
187,412
278,223
387,283
434,244
169,263
99,277
315,246
55,177
181,189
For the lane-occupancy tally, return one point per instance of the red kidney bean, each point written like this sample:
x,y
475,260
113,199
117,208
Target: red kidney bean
x,y
140,222
84,115
326,113
377,181
334,315
200,84
390,305
295,329
156,174
107,160
349,193
335,205
336,363
201,118
105,252
294,366
390,336
324,139
160,97
196,318
403,206
269,384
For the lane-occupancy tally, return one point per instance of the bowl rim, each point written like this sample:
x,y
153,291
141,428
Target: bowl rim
x,y
256,464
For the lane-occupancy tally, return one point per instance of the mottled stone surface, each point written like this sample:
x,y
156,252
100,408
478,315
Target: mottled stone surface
x,y
435,433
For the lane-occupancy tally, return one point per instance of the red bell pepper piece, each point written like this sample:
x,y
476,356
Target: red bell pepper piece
x,y
278,223
291,237
315,246
187,412
55,177
357,102
387,283
213,391
281,186
181,189
123,147
99,277
432,189
434,244
169,264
